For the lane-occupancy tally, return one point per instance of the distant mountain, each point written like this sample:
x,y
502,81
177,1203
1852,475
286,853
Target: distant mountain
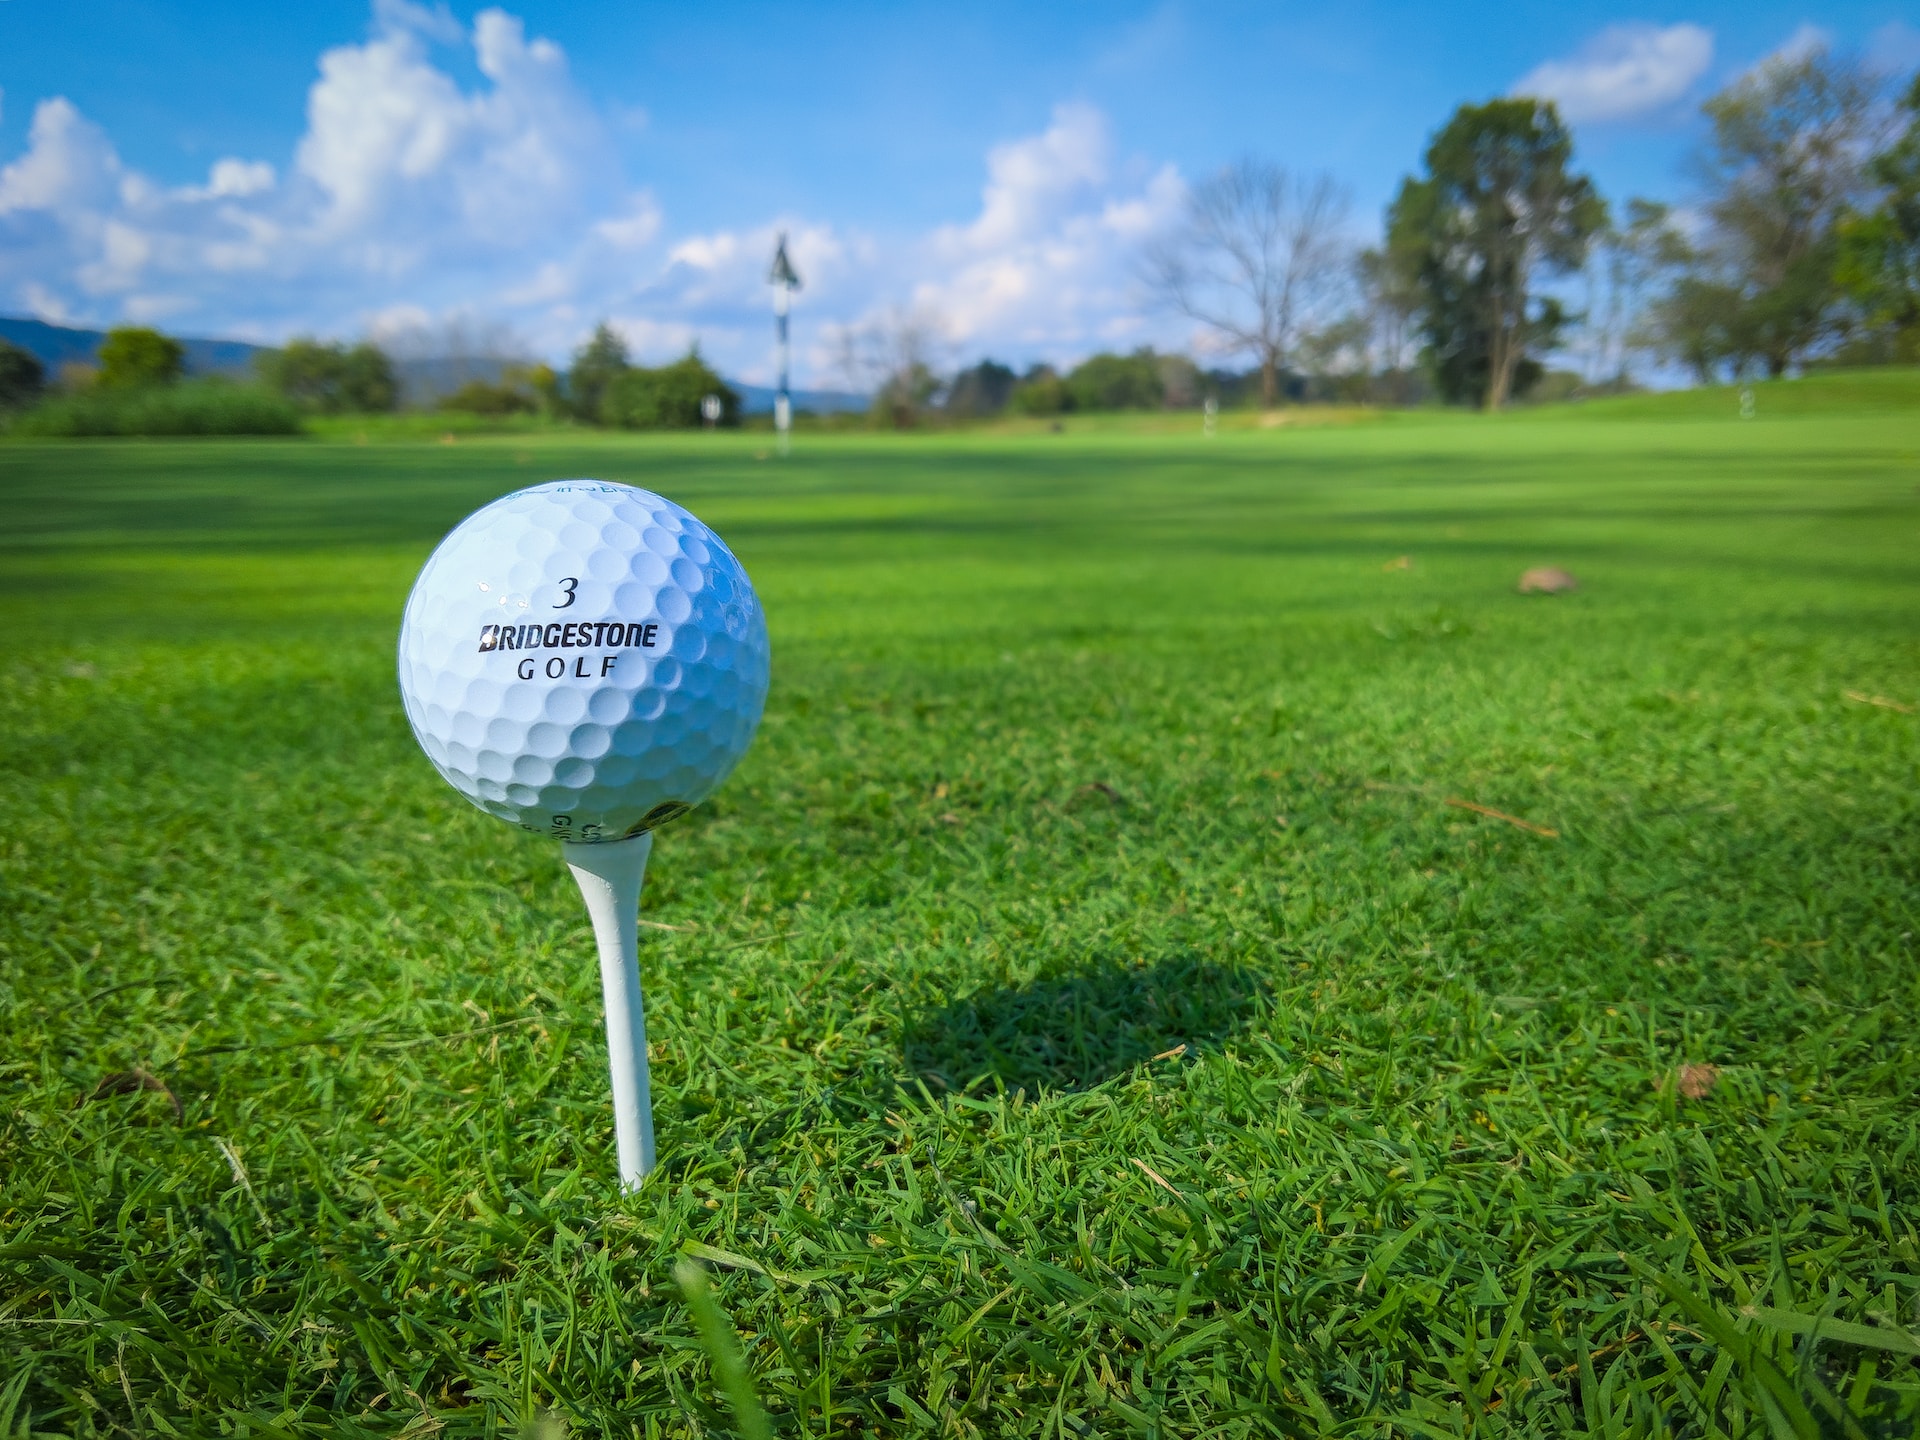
x,y
758,400
57,345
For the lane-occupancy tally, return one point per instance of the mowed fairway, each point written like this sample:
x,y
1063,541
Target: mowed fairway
x,y
1101,1003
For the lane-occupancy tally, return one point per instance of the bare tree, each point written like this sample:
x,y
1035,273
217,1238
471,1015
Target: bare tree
x,y
436,357
1259,257
894,357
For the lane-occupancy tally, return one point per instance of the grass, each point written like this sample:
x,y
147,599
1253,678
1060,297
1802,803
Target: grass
x,y
1093,1008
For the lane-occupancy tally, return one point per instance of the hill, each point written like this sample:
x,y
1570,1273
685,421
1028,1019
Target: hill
x,y
57,345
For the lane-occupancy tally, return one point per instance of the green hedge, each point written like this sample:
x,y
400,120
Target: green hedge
x,y
206,407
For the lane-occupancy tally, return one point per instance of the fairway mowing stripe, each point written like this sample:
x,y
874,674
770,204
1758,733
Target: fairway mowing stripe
x,y
1491,813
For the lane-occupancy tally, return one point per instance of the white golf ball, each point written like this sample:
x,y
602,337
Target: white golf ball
x,y
584,659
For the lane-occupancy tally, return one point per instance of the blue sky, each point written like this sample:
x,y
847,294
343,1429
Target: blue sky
x,y
990,169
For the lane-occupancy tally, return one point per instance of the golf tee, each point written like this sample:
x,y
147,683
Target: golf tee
x,y
610,876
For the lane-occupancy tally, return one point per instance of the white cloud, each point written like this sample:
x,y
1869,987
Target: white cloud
x,y
1808,39
1047,262
413,200
1625,71
406,188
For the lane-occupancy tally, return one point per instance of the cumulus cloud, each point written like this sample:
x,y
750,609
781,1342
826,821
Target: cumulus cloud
x,y
1043,269
405,189
1623,72
1048,259
414,200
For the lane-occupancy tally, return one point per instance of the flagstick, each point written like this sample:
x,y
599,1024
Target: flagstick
x,y
610,876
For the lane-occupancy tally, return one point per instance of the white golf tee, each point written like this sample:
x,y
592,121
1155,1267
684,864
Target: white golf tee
x,y
610,876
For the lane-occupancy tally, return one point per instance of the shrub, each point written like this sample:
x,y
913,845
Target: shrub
x,y
133,357
520,390
206,407
331,378
484,397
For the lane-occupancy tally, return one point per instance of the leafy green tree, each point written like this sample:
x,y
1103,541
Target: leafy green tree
x,y
667,398
133,356
1118,382
331,378
1879,264
1783,169
1499,209
980,390
22,376
1041,391
545,384
596,366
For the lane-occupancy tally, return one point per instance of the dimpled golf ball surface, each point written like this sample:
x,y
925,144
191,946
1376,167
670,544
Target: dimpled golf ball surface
x,y
584,659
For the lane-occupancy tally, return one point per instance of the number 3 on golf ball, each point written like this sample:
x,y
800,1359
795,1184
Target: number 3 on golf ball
x,y
584,659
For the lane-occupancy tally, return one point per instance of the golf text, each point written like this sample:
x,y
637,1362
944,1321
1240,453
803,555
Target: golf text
x,y
572,635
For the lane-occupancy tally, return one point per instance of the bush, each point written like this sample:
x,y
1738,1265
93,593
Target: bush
x,y
520,390
22,376
330,378
483,397
207,407
667,398
133,357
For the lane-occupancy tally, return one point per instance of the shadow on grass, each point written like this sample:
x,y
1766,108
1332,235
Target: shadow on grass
x,y
1072,1031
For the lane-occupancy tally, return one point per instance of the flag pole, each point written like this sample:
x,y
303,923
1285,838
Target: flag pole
x,y
785,280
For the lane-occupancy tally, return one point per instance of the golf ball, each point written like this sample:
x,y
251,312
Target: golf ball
x,y
584,659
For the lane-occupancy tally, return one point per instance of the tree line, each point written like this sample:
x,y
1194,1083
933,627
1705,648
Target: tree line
x,y
1497,255
136,364
1500,254
1804,249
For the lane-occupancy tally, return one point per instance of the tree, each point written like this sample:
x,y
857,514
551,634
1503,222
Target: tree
x,y
1041,391
22,376
893,357
1390,299
331,378
1259,256
1631,261
1117,382
1879,261
1499,209
1782,169
980,390
133,356
667,398
596,366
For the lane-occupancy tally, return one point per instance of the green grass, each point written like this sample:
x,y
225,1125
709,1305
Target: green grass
x,y
1085,1012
